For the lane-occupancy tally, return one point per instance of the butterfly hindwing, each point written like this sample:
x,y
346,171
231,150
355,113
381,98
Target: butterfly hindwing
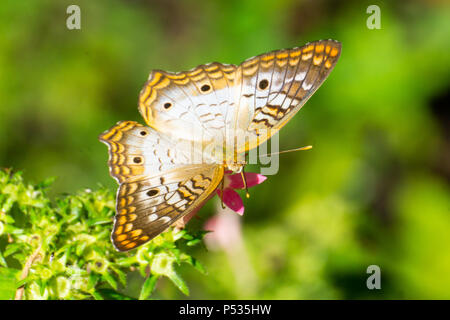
x,y
158,182
147,207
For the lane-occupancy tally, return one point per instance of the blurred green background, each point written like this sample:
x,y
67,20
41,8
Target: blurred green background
x,y
374,190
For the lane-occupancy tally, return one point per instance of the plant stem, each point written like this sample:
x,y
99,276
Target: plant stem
x,y
26,269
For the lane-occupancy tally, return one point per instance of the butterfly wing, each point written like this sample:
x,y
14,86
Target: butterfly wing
x,y
218,103
196,105
158,186
209,104
276,85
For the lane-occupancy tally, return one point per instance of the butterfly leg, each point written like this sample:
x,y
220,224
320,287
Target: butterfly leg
x,y
245,182
221,193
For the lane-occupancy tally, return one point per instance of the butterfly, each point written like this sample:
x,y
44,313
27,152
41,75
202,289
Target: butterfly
x,y
196,120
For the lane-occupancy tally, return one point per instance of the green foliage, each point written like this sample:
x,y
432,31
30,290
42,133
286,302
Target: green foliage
x,y
65,250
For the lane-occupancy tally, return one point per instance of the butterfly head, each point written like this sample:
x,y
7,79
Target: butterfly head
x,y
234,167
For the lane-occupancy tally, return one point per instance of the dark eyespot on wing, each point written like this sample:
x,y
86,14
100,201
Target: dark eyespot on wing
x,y
152,192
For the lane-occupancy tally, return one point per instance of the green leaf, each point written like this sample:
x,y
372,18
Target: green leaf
x,y
179,282
178,235
42,286
148,287
194,262
126,262
2,261
93,280
193,242
11,249
100,222
97,295
80,248
187,236
8,283
110,279
46,183
109,294
143,269
122,276
28,279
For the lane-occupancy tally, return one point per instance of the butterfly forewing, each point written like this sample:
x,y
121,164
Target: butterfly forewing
x,y
218,102
296,75
192,105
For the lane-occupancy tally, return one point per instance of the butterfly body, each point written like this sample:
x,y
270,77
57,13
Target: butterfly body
x,y
200,124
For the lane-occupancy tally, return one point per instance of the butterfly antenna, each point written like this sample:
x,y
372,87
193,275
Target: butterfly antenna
x,y
287,151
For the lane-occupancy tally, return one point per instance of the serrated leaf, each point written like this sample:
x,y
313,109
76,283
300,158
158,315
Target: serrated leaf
x,y
109,294
193,262
148,287
110,279
179,282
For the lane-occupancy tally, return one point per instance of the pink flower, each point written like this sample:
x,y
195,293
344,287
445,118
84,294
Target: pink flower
x,y
234,181
230,197
224,231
